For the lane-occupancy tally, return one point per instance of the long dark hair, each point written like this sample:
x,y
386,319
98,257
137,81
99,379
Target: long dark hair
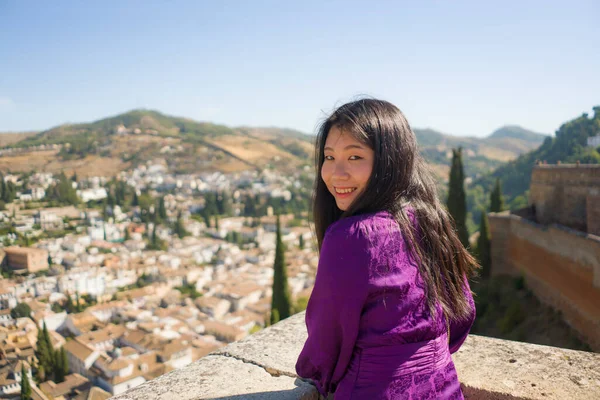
x,y
400,177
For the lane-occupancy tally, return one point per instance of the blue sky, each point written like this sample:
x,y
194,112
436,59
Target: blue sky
x,y
464,68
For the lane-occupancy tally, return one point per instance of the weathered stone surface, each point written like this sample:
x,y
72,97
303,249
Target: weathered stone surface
x,y
262,367
221,378
276,348
501,369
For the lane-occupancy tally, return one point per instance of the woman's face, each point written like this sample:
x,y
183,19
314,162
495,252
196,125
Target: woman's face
x,y
347,167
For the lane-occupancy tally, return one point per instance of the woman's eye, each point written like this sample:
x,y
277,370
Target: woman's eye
x,y
329,158
355,157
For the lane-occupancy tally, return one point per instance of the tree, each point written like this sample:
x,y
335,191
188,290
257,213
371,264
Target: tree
x,y
249,206
162,211
135,201
127,236
25,385
179,228
457,201
61,365
224,203
44,353
484,247
21,310
496,199
280,302
301,242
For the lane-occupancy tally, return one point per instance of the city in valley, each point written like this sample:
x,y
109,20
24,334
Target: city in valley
x,y
108,282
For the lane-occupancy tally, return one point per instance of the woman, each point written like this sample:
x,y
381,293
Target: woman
x,y
391,300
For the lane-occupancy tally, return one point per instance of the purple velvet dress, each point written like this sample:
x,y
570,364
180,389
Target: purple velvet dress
x,y
370,332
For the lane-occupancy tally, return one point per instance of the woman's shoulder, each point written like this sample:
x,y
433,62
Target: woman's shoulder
x,y
361,225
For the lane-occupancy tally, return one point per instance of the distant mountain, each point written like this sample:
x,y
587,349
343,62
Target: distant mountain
x,y
481,155
111,144
517,132
569,145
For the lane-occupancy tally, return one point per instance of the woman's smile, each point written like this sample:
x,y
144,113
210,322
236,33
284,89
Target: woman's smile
x,y
346,168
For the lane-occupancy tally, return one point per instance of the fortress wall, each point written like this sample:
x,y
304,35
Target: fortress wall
x,y
561,266
560,192
593,213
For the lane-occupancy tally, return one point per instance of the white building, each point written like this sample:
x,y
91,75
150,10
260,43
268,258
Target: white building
x,y
594,141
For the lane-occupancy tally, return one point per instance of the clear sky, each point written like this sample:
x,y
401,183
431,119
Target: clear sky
x,y
460,67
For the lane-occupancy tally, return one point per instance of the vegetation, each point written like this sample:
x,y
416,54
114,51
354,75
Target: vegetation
x,y
484,247
25,385
189,290
50,360
496,198
179,229
568,146
457,202
62,192
21,310
507,309
280,303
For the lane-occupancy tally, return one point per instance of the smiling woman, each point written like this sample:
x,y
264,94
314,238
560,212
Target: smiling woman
x,y
391,299
347,167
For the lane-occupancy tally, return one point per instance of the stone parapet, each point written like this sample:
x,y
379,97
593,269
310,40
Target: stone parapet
x,y
262,367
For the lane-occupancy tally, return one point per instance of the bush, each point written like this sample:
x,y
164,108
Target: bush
x,y
22,310
513,316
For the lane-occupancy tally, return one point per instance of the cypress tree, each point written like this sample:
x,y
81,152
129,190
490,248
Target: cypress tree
x,y
162,211
280,302
64,361
42,355
301,242
484,247
61,367
135,201
179,228
25,385
154,238
496,199
457,200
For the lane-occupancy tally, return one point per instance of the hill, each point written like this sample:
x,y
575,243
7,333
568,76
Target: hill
x,y
481,155
111,144
569,145
517,132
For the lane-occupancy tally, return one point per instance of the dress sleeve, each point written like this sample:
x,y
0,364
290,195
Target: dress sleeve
x,y
334,309
459,330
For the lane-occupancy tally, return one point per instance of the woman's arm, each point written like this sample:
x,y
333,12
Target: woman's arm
x,y
459,330
335,306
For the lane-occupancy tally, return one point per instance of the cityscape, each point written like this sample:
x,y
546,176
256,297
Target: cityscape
x,y
156,271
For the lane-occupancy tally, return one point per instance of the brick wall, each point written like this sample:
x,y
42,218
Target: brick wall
x,y
593,213
561,266
560,192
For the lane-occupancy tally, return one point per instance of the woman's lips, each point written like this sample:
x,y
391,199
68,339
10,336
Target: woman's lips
x,y
343,192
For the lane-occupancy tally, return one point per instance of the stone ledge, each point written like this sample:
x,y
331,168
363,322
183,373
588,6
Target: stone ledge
x,y
262,366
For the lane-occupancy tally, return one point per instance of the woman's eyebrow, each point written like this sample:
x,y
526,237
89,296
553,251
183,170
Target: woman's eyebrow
x,y
350,146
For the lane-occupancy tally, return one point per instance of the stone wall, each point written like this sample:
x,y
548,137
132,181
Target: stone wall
x,y
560,194
261,367
561,266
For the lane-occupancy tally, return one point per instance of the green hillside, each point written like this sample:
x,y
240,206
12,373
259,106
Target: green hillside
x,y
569,145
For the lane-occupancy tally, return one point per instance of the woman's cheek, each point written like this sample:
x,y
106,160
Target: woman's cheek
x,y
325,173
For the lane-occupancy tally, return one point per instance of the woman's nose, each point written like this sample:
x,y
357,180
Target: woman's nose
x,y
340,170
